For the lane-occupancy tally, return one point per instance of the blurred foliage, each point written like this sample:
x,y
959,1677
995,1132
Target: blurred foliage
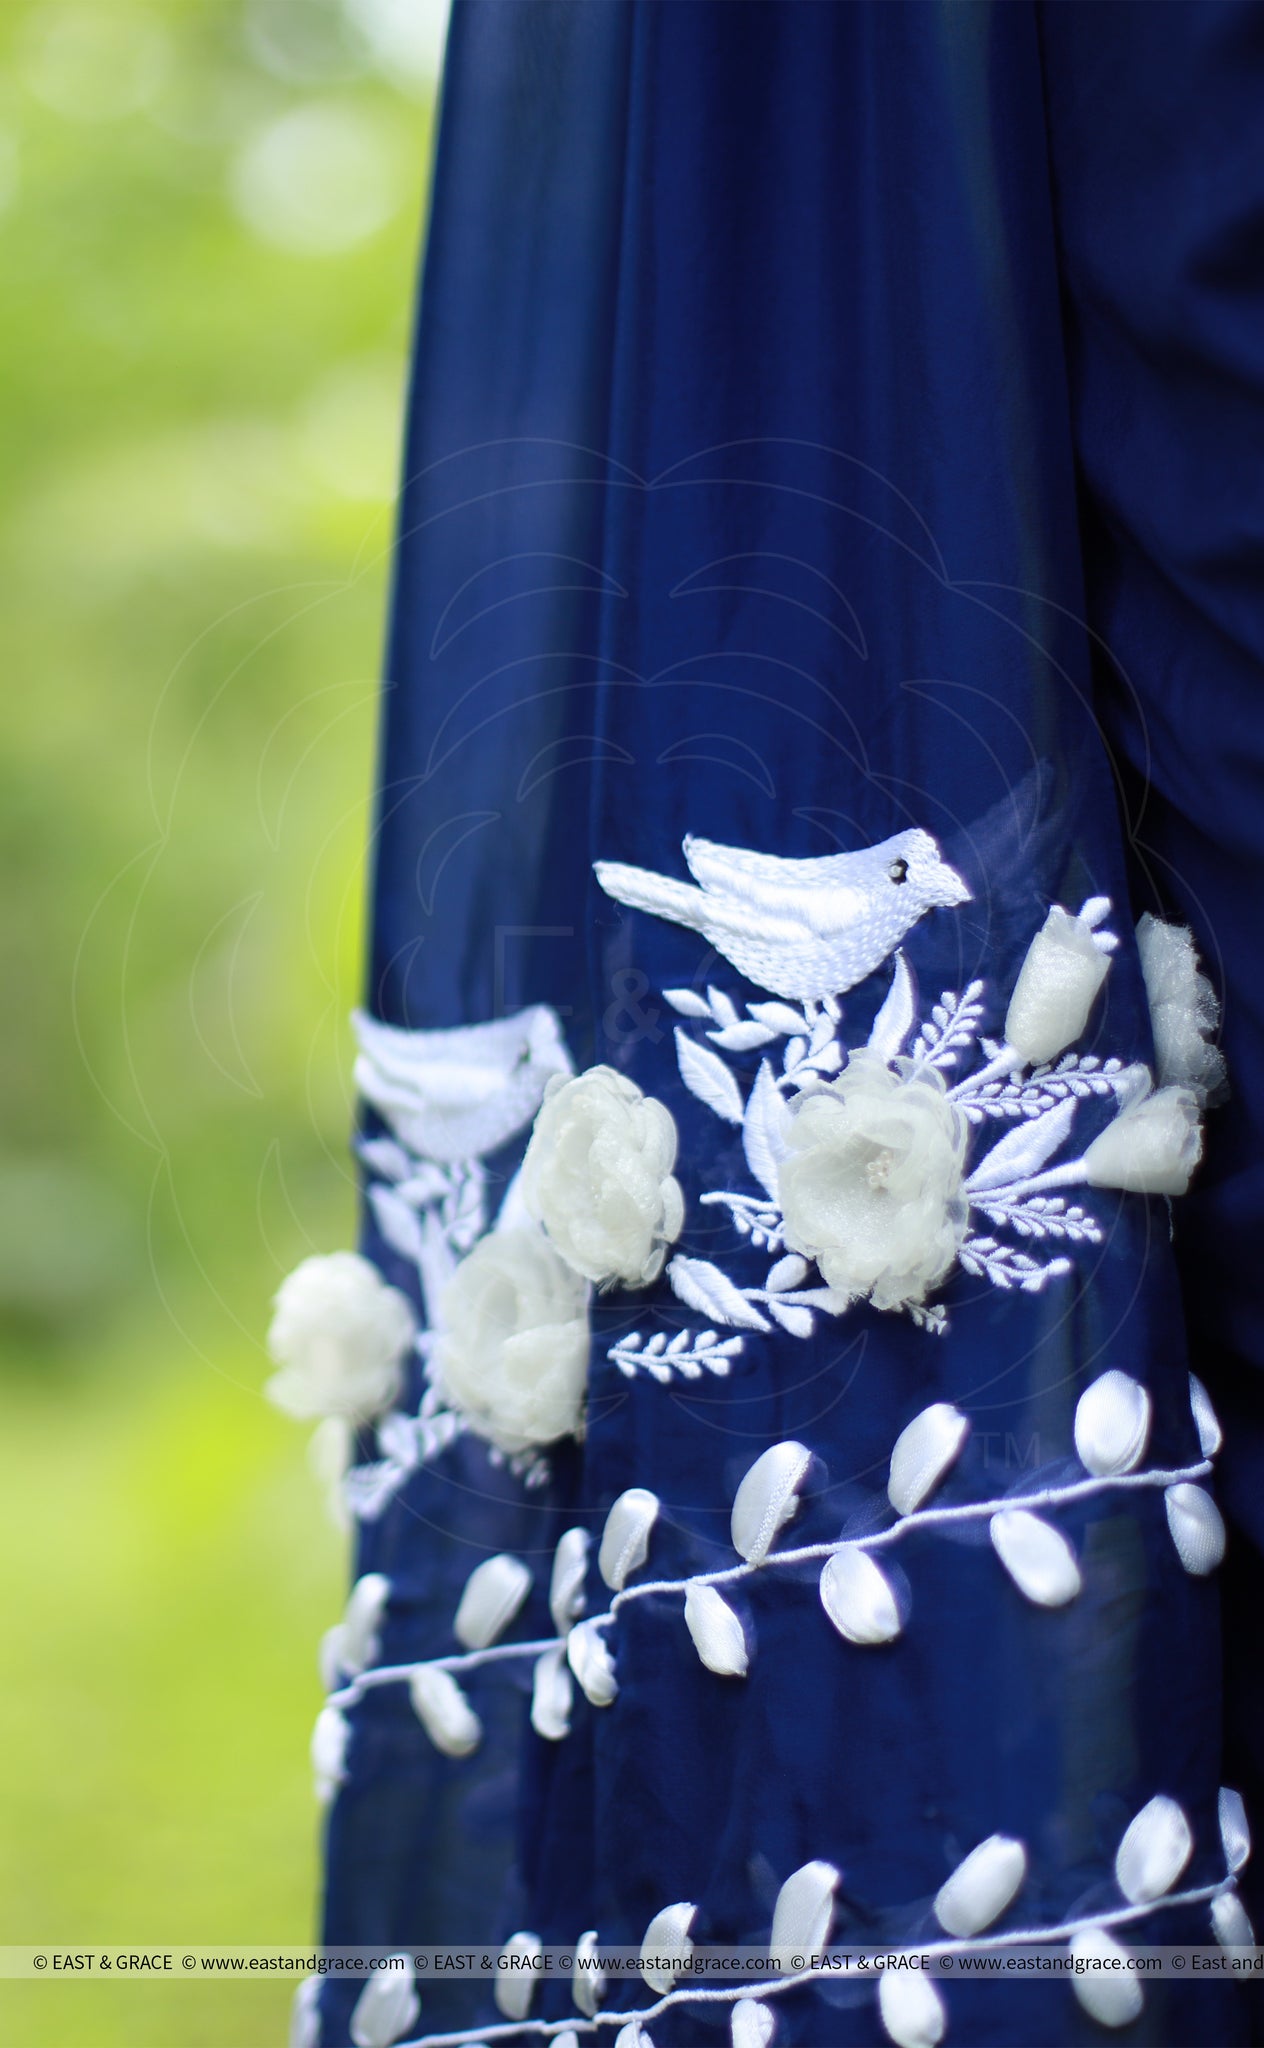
x,y
209,216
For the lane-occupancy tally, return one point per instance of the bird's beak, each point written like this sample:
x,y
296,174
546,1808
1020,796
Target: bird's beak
x,y
952,889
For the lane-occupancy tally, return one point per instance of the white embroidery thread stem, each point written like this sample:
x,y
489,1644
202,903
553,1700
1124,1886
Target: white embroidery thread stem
x,y
811,1553
467,1660
1023,1937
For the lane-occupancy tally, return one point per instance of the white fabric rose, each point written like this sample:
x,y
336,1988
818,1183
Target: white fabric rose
x,y
871,1184
1151,1147
1058,982
1183,1007
598,1177
512,1343
340,1335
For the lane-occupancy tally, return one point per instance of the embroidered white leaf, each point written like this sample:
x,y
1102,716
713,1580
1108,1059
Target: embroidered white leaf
x,y
514,1988
924,1451
566,1587
1037,1557
741,1037
632,2036
754,2024
1112,1424
723,1009
857,1597
494,1592
1109,1991
590,1660
981,1886
779,1017
1235,1829
764,1129
789,1272
1230,1922
768,1498
551,1695
1198,1530
1157,1845
688,1002
588,1982
894,1020
330,1736
385,1158
443,1710
1024,1150
1206,1421
386,2008
625,1540
667,1941
397,1222
911,2009
706,1076
718,1635
703,1287
358,1633
804,1911
792,1316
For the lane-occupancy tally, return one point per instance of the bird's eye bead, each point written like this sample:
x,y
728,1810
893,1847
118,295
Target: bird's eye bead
x,y
898,871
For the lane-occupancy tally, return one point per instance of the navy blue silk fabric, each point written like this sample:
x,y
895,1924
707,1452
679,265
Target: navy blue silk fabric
x,y
828,419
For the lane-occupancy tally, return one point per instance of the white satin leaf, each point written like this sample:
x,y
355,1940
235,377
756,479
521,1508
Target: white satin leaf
x,y
1157,1845
1235,1829
1197,1527
754,2024
981,1886
1112,1424
566,1587
1037,1557
857,1597
804,1911
330,1736
625,1540
443,1710
768,1498
1230,1922
588,1984
552,1695
718,1635
911,2009
386,2008
667,1943
1206,1421
1111,1995
924,1451
590,1660
514,1987
494,1592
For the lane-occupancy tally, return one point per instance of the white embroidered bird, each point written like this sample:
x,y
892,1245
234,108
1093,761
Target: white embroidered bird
x,y
459,1094
799,928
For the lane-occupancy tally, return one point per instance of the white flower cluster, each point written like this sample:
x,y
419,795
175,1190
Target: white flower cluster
x,y
598,1178
871,1184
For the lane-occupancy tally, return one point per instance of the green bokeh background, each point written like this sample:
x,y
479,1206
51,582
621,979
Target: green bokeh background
x,y
209,219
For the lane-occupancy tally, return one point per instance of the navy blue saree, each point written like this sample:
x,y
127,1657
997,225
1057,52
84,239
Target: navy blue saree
x,y
823,697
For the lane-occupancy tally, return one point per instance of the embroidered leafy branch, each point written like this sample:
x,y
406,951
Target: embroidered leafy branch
x,y
688,1354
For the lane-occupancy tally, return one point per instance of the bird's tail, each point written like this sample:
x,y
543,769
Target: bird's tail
x,y
679,901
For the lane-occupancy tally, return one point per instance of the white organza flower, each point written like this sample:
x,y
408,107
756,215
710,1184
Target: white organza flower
x,y
598,1177
1151,1147
512,1344
1183,1007
1058,982
339,1335
871,1185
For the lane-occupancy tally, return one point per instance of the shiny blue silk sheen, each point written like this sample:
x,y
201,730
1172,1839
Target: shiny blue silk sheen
x,y
828,419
